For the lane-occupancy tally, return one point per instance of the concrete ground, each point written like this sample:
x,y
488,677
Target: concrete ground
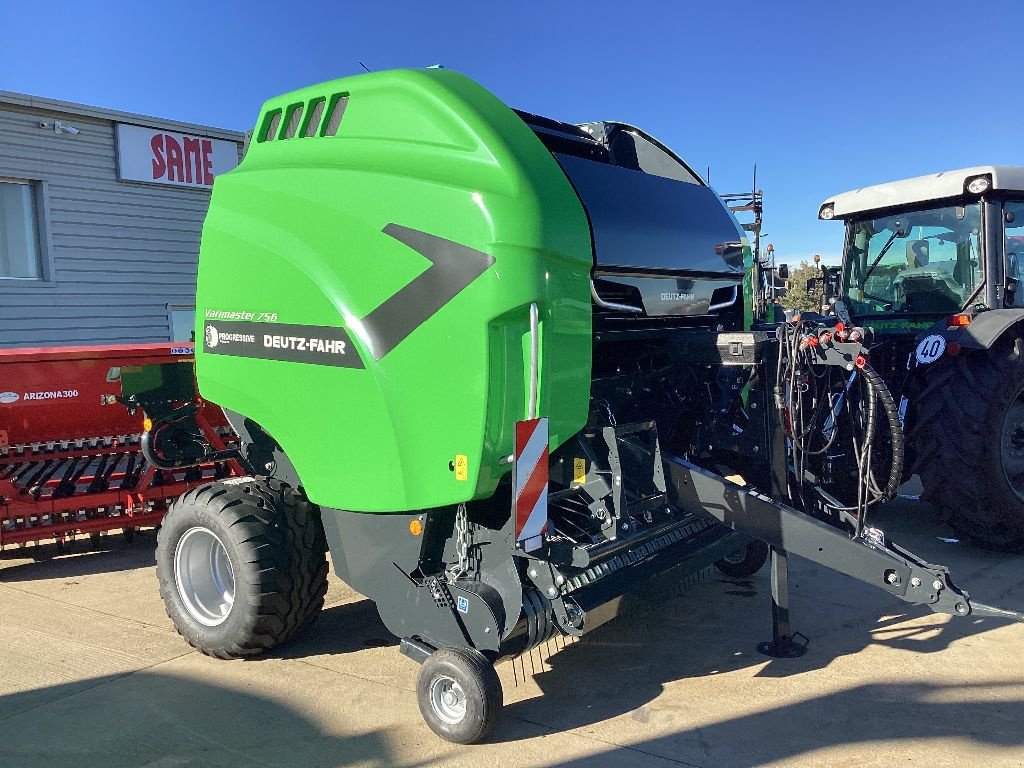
x,y
92,673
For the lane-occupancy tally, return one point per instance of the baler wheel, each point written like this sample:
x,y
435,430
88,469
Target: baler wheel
x,y
459,694
242,567
744,562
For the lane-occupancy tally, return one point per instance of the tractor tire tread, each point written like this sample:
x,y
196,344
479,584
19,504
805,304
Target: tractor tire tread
x,y
960,476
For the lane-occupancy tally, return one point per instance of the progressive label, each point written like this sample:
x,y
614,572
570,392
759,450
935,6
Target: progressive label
x,y
313,344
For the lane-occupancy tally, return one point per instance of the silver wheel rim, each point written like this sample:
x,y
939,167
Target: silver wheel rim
x,y
448,700
203,575
1012,446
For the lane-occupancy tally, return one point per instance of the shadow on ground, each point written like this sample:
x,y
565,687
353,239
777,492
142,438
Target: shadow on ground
x,y
665,636
80,557
149,719
870,719
344,628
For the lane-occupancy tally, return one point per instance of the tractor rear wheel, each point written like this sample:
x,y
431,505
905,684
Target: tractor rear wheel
x,y
242,566
971,453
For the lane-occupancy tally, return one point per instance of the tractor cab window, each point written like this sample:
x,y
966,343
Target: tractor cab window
x,y
1013,247
915,262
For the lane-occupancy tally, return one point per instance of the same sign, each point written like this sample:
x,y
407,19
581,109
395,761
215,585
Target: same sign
x,y
166,157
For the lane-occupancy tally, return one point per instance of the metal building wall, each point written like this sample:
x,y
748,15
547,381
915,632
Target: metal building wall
x,y
120,252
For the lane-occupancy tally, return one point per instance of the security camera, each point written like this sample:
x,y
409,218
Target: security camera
x,y
59,127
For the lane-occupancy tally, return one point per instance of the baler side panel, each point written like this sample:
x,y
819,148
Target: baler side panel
x,y
299,235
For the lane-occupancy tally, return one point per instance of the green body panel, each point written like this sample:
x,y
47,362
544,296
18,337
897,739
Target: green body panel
x,y
295,234
750,281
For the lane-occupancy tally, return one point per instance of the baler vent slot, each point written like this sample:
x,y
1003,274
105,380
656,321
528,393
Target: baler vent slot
x,y
313,117
292,126
270,124
338,103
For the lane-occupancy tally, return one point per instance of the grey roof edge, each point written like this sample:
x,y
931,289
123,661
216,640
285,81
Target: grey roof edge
x,y
72,108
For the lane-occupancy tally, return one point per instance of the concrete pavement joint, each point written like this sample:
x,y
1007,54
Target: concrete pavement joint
x,y
164,630
588,737
108,681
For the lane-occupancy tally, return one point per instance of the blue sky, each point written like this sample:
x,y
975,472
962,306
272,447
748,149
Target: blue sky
x,y
824,97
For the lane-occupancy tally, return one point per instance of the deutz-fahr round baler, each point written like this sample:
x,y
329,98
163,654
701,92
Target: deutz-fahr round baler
x,y
493,361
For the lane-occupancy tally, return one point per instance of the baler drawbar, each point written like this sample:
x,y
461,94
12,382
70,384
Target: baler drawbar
x,y
496,364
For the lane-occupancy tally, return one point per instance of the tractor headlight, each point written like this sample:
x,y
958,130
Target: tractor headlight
x,y
979,184
827,212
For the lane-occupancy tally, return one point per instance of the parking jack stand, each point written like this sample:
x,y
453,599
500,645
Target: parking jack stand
x,y
785,644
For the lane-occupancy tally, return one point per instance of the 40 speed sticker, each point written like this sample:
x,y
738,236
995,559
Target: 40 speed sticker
x,y
930,349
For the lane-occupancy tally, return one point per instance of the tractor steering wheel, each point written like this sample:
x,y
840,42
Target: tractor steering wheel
x,y
885,302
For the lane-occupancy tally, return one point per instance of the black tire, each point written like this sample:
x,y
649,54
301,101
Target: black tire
x,y
277,551
478,687
745,562
959,445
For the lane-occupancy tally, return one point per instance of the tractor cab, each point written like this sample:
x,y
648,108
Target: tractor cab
x,y
922,249
935,265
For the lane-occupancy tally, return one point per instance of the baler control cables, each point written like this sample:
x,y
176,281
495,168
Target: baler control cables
x,y
822,375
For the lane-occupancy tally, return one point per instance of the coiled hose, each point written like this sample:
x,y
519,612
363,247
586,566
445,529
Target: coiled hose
x,y
885,399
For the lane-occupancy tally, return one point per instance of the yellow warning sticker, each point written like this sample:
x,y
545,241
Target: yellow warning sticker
x,y
579,471
461,467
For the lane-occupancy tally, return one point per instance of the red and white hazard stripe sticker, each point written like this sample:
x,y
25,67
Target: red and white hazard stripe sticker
x,y
531,482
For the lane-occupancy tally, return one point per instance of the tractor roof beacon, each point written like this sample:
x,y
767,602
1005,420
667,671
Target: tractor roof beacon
x,y
935,264
465,348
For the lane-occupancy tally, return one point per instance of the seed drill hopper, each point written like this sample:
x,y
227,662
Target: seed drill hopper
x,y
72,461
493,362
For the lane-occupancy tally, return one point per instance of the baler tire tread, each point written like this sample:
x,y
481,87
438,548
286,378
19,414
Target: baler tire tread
x,y
281,581
960,476
481,685
755,555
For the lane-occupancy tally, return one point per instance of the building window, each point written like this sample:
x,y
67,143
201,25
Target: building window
x,y
183,323
20,254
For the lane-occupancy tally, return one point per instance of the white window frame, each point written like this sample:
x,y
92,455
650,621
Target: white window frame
x,y
171,309
42,200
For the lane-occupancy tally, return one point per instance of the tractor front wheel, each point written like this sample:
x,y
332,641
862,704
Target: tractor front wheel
x,y
242,566
971,452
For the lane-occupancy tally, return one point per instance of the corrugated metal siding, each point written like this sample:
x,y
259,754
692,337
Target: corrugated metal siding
x,y
121,251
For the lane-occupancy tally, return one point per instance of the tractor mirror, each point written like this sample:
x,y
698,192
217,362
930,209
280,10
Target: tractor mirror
x,y
783,271
832,281
815,284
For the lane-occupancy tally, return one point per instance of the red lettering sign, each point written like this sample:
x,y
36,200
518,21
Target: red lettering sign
x,y
159,164
207,161
167,157
175,169
192,161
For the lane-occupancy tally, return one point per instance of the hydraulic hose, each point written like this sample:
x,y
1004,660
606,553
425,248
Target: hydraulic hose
x,y
885,399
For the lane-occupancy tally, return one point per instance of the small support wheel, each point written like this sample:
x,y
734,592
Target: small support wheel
x,y
744,562
459,694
